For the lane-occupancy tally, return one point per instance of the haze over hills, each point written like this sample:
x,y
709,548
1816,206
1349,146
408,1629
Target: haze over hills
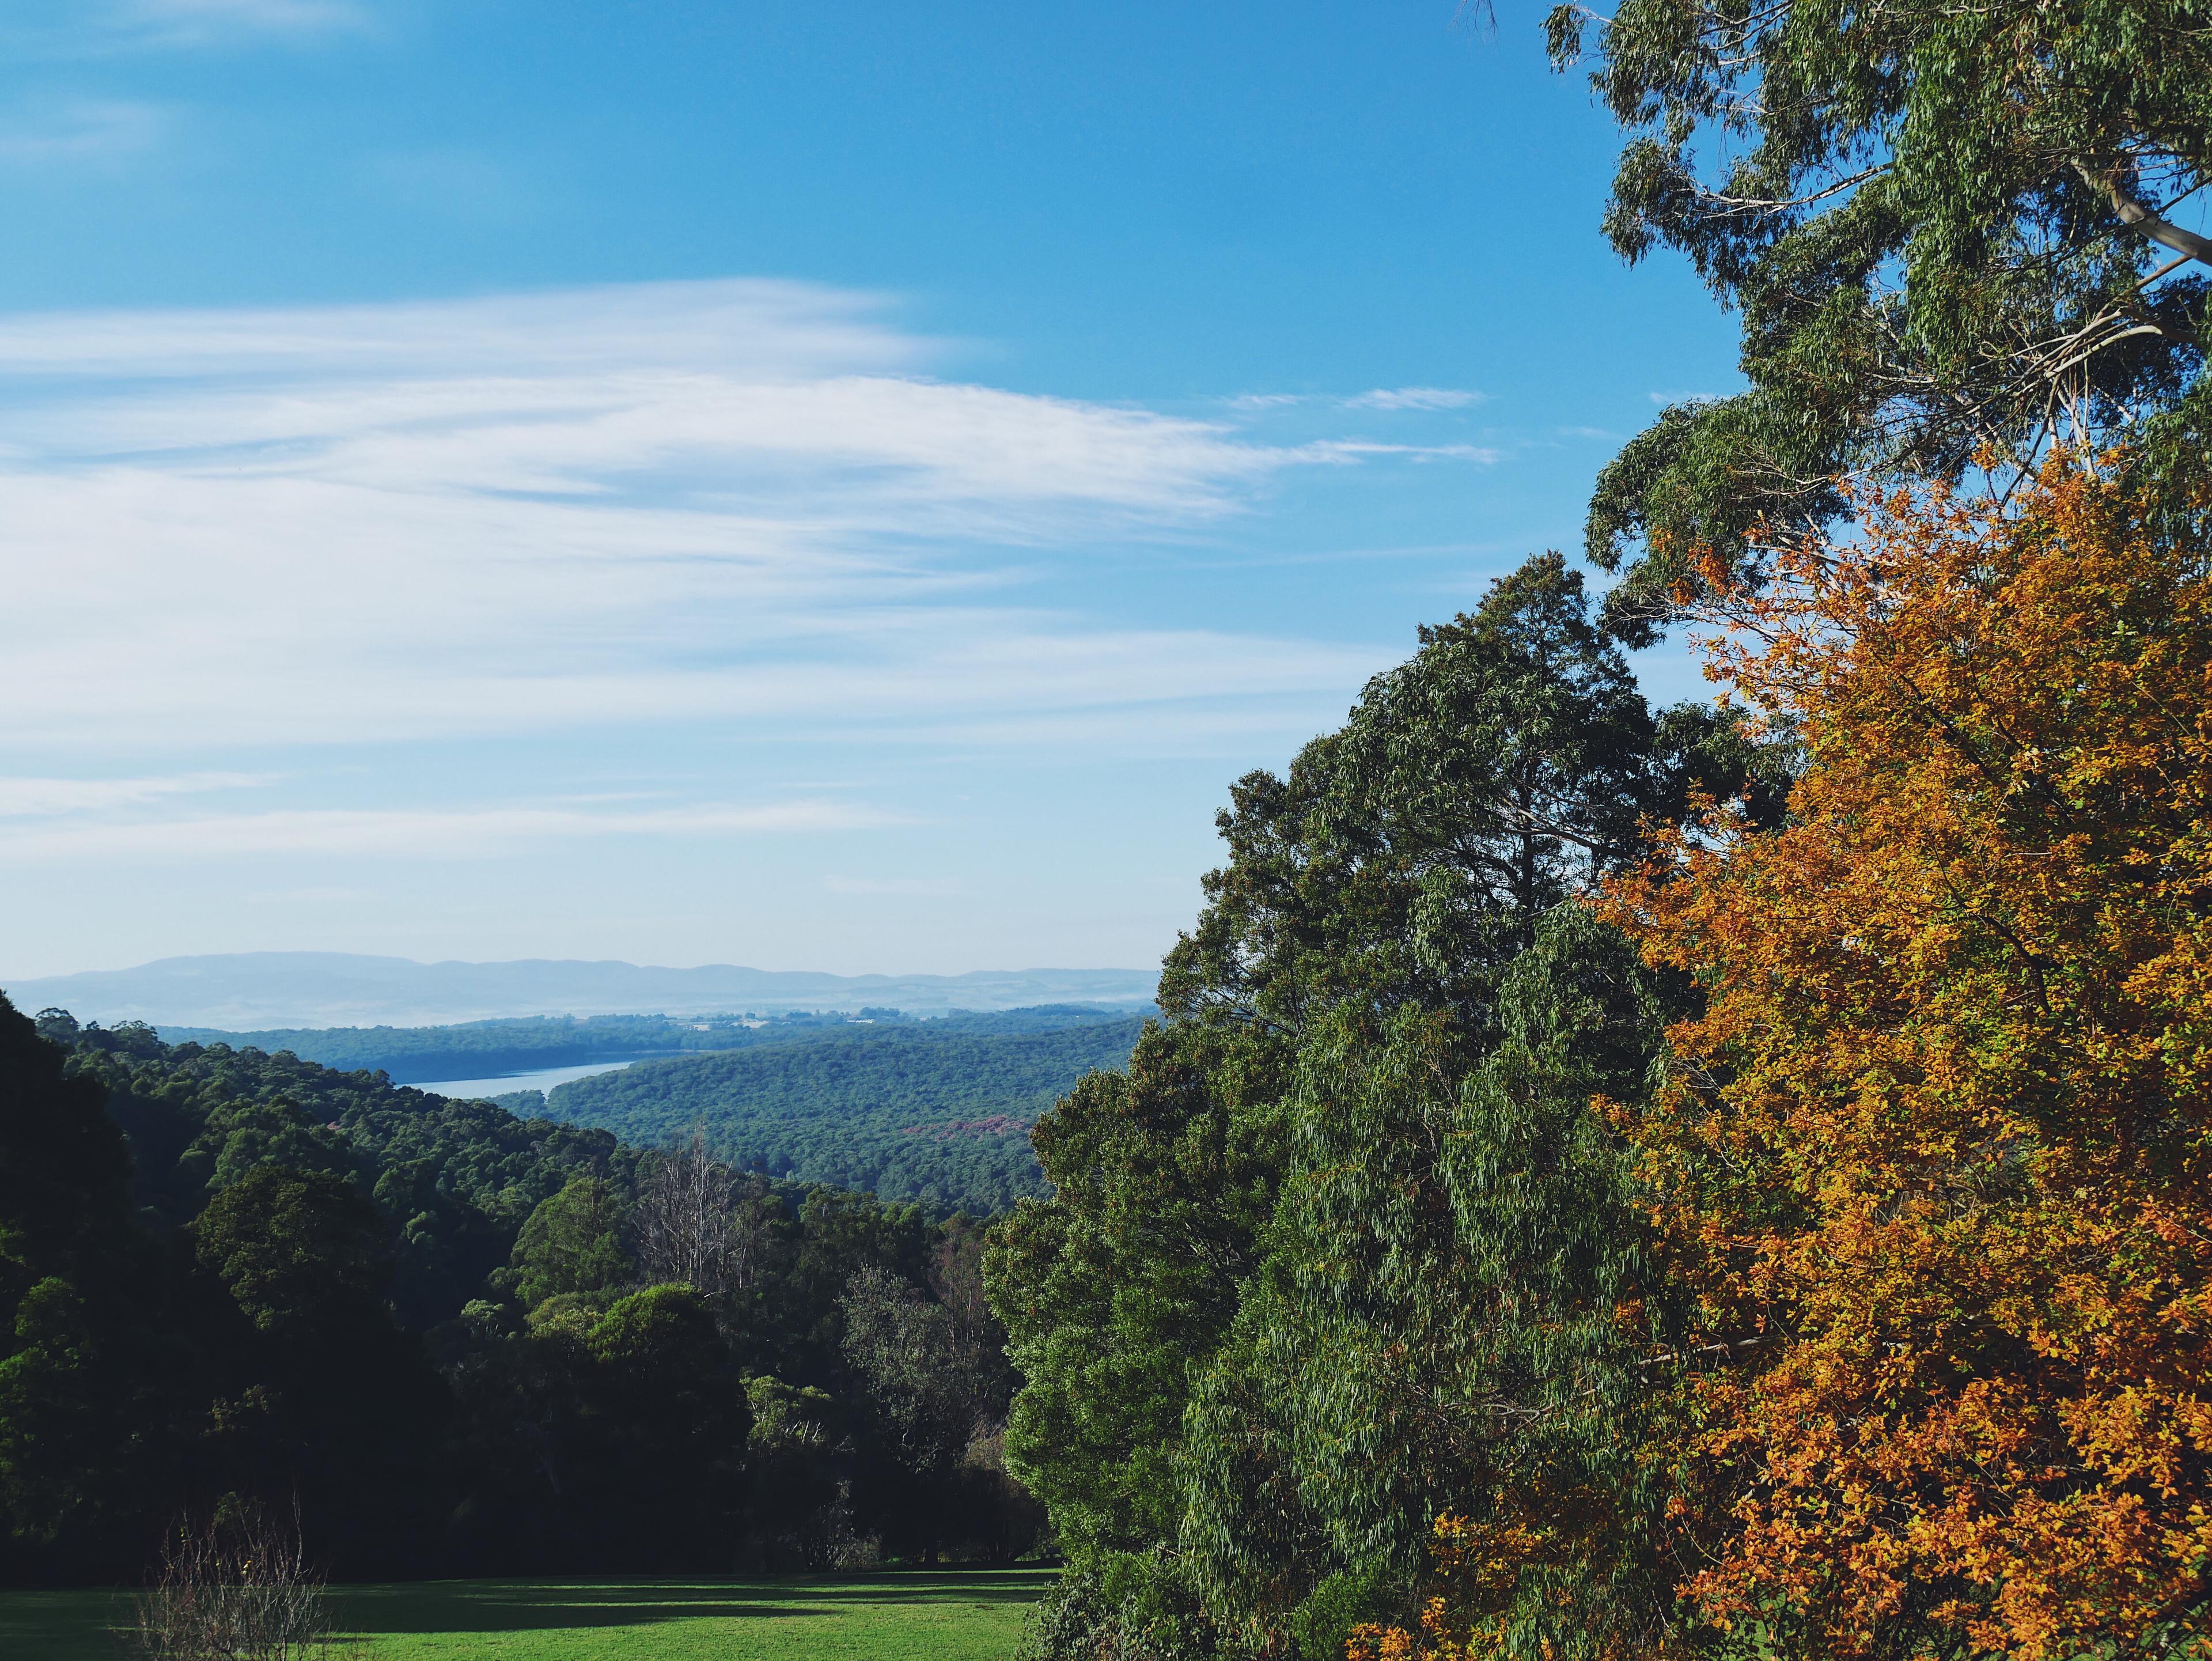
x,y
337,989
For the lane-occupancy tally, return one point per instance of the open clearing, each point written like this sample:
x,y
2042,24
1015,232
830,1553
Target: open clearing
x,y
926,1615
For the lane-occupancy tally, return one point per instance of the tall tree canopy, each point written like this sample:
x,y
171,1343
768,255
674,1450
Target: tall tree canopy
x,y
1282,1308
1950,230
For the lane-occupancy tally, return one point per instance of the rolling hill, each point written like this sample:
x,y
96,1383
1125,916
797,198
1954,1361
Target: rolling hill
x,y
258,990
936,1111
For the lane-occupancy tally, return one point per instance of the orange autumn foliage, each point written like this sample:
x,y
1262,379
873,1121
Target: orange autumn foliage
x,y
1934,1168
1479,1564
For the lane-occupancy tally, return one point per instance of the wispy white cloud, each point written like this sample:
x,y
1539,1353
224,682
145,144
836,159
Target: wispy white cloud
x,y
80,29
716,501
74,134
37,798
1414,397
1382,397
283,16
1348,450
463,833
751,327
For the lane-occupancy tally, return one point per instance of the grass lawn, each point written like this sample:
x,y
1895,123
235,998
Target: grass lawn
x,y
922,1616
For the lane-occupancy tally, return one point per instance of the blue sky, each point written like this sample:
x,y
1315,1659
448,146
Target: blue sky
x,y
827,488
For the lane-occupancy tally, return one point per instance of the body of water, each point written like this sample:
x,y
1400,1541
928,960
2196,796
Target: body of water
x,y
544,1078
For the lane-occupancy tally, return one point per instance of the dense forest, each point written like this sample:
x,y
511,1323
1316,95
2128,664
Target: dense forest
x,y
936,1111
459,1341
472,1050
477,1050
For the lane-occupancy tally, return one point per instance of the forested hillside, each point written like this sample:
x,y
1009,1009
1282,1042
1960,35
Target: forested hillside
x,y
468,1049
456,1180
936,1111
255,991
459,1340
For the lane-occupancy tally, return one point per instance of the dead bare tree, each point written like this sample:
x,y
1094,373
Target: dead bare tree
x,y
238,1587
693,1223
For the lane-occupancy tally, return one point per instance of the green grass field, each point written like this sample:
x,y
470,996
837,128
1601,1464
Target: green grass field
x,y
922,1615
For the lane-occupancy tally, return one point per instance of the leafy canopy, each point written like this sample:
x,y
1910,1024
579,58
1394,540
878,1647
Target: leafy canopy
x,y
1948,230
1343,1244
1935,1159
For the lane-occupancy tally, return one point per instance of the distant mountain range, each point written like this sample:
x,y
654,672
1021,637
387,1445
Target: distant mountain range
x,y
337,989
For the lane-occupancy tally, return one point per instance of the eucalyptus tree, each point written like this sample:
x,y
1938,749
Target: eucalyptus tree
x,y
1954,234
1345,1244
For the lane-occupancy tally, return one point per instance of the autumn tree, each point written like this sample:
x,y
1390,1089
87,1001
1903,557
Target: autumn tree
x,y
1935,1162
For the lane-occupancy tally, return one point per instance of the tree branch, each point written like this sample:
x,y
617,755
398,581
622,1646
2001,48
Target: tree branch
x,y
2141,221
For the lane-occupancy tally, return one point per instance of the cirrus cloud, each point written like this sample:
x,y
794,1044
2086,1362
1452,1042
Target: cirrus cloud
x,y
704,501
443,833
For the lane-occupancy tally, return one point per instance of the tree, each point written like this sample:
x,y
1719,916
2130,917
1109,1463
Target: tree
x,y
839,1233
1276,1315
670,1420
1450,1325
331,1405
301,1253
602,1439
97,1381
1935,1161
695,1224
1116,1291
1951,233
571,1243
930,1384
1407,856
800,1460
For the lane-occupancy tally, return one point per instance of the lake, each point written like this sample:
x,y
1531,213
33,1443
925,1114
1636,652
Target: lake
x,y
544,1078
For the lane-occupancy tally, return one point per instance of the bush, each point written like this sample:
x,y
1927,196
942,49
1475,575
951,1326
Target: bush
x,y
1124,1608
238,1588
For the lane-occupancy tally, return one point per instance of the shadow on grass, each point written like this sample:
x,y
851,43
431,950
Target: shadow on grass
x,y
460,1606
88,1625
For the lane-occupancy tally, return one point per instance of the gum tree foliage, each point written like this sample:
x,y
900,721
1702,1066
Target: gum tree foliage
x,y
936,1387
608,1438
926,1385
571,1243
1343,1239
1948,230
1448,1321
